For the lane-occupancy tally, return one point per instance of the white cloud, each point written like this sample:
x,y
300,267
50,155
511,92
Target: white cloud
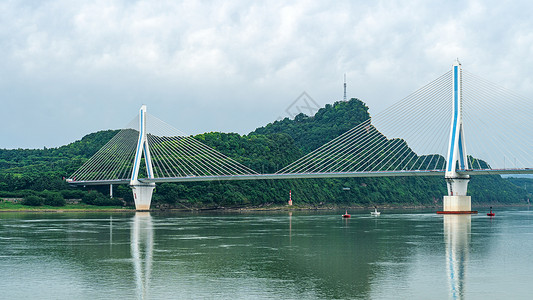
x,y
71,68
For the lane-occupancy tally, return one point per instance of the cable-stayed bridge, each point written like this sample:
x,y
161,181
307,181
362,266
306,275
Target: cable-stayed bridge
x,y
456,126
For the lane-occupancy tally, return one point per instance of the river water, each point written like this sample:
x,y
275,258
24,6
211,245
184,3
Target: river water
x,y
252,255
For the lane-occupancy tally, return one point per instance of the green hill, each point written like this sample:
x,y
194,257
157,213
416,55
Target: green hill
x,y
329,122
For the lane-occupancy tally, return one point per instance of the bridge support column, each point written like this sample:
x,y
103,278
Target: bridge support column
x,y
142,194
457,201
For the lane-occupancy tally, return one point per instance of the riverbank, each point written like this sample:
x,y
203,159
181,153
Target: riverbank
x,y
16,207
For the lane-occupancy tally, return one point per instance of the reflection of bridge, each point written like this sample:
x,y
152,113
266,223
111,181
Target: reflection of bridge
x,y
142,248
409,139
457,241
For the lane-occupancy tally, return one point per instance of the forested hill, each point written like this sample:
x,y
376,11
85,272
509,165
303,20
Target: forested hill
x,y
66,158
44,169
329,122
266,150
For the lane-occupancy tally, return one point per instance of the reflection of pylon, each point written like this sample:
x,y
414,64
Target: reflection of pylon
x,y
290,197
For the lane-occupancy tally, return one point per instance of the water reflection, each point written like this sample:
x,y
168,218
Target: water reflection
x,y
110,232
457,239
250,256
142,245
290,227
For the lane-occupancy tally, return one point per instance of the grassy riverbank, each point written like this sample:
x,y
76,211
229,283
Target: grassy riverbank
x,y
11,207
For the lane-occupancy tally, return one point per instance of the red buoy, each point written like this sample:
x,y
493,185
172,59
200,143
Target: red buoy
x,y
491,214
346,215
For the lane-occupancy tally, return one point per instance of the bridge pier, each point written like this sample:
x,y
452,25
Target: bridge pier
x,y
142,194
457,201
457,205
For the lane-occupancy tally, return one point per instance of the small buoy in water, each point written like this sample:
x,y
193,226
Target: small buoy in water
x,y
491,214
346,215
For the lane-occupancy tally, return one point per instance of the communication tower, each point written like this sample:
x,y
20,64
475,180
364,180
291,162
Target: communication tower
x,y
344,86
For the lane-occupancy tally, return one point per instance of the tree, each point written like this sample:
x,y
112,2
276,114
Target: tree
x,y
53,199
33,200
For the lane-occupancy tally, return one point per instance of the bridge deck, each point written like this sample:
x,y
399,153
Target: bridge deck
x,y
307,175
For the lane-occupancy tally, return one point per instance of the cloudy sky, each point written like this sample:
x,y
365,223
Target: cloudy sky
x,y
69,68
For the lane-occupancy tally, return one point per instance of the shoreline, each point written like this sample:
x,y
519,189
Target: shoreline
x,y
252,209
47,210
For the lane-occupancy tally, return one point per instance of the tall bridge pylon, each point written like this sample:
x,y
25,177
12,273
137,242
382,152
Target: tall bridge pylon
x,y
142,191
457,200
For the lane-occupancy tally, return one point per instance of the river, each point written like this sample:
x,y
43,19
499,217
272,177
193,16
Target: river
x,y
266,255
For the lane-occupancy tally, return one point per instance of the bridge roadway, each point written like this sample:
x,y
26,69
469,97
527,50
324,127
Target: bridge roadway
x,y
307,175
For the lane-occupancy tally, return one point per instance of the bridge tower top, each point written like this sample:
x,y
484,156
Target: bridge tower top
x,y
456,145
142,147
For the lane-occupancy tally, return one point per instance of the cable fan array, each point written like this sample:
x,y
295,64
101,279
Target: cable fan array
x,y
114,160
173,154
421,120
498,125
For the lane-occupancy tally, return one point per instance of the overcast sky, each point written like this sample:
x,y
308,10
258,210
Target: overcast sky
x,y
69,68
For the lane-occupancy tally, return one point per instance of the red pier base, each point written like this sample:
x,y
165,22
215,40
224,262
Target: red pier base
x,y
464,212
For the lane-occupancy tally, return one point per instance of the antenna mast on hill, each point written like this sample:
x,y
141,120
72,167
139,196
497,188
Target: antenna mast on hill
x,y
344,86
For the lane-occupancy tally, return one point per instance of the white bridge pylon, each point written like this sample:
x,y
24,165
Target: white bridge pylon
x,y
142,192
457,200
